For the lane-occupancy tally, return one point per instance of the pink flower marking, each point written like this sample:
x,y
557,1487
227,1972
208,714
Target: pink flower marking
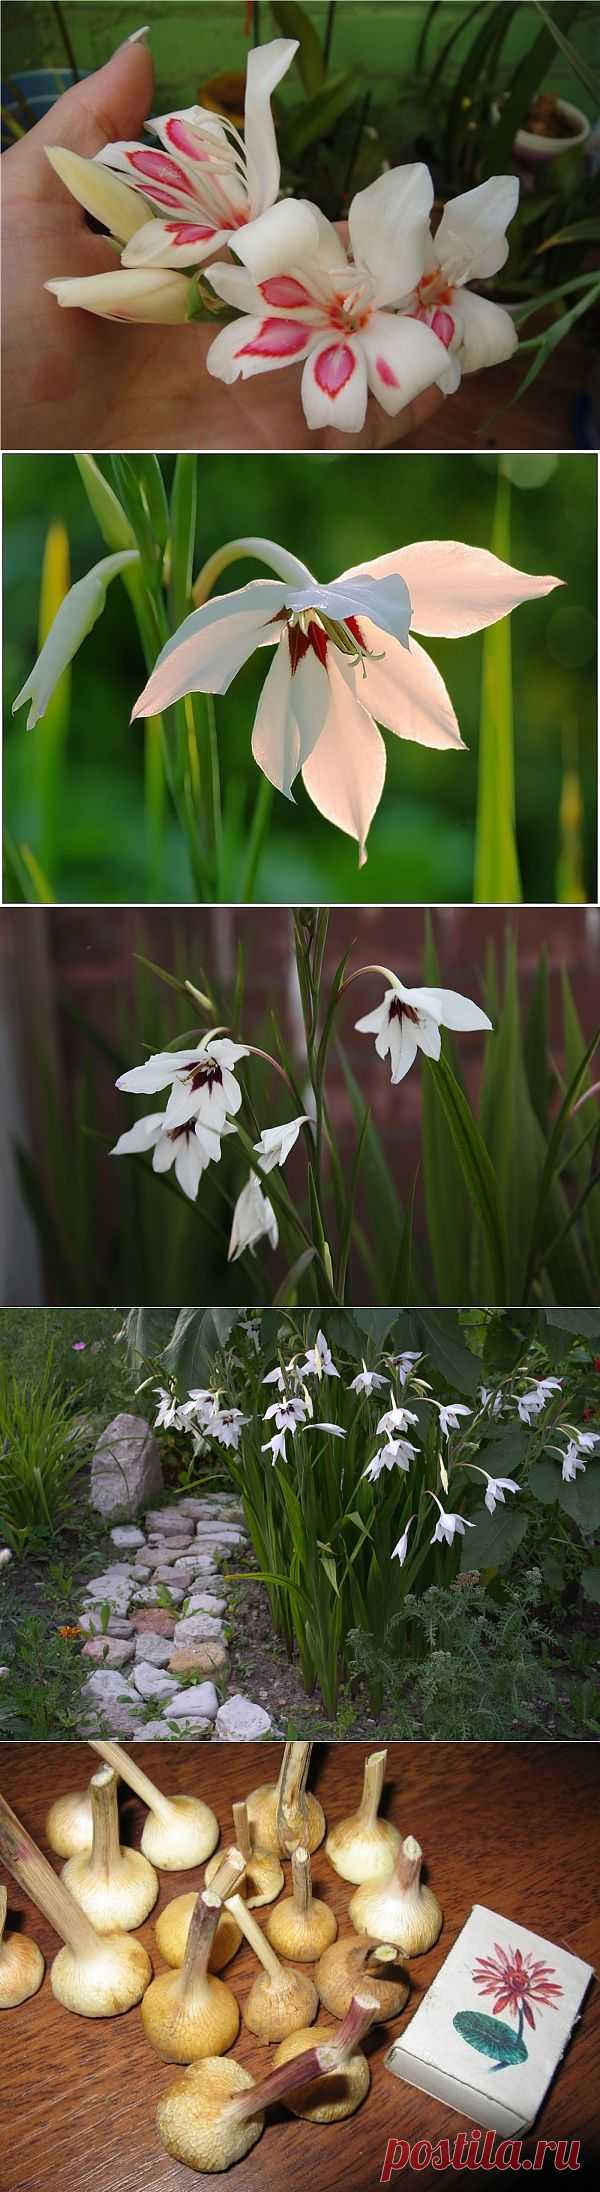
x,y
160,168
282,289
275,339
385,373
440,321
185,232
516,1981
334,368
180,136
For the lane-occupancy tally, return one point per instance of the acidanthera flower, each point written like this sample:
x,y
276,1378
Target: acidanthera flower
x,y
226,1426
338,311
448,1526
253,1220
450,1416
367,1381
343,662
318,1361
572,1461
202,1084
277,1141
287,1414
470,244
207,185
409,1020
396,1419
492,1402
406,1363
495,1487
76,617
401,1549
531,1404
188,1148
396,1454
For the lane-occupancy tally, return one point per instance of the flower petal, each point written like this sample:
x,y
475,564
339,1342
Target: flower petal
x,y
257,346
405,692
101,194
211,645
273,242
131,293
487,335
447,1006
165,181
265,67
386,602
334,385
403,357
140,1137
471,237
76,616
345,774
189,1165
456,589
175,243
290,716
389,227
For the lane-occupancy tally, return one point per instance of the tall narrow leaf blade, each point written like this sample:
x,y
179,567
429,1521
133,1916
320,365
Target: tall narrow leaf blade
x,y
497,877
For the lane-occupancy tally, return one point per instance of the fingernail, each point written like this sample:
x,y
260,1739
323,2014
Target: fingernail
x,y
139,37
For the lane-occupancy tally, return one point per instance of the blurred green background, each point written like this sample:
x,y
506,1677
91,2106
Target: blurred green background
x,y
332,511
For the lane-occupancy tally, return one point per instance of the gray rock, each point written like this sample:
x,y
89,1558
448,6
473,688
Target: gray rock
x,y
113,1700
202,1602
117,1595
159,1556
91,1624
126,1536
126,1467
156,1650
195,1628
164,1520
199,1703
147,1595
188,1728
109,1651
239,1721
220,1533
152,1682
153,1731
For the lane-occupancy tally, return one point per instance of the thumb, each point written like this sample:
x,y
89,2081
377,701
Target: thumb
x,y
112,103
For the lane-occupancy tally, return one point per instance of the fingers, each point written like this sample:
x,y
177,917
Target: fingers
x,y
112,103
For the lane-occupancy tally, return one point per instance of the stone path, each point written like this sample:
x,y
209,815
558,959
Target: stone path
x,y
153,1667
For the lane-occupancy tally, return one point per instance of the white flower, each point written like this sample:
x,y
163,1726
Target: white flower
x,y
450,1416
448,1526
572,1461
405,1363
211,187
188,1148
143,294
401,1549
227,1426
168,1410
343,663
367,1381
335,1429
76,617
318,1361
409,1020
287,1413
587,1440
275,1447
396,1454
202,1084
201,1404
275,1377
531,1404
5,1556
490,1400
277,1141
470,244
495,1487
253,1220
396,1419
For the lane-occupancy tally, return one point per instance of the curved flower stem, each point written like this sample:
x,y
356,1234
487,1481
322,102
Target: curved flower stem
x,y
283,565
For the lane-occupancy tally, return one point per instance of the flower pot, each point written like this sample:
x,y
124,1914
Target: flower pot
x,y
530,150
28,96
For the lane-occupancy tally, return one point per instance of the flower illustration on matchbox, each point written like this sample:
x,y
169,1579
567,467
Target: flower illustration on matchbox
x,y
519,1984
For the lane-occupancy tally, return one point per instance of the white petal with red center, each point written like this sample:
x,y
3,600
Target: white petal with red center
x,y
211,645
387,603
447,1006
265,67
257,346
173,243
334,385
471,238
486,333
406,693
290,716
190,134
167,182
403,358
279,295
455,589
205,1101
156,1073
345,774
389,225
271,243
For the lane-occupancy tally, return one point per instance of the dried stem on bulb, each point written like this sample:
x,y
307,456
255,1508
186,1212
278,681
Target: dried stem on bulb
x,y
279,2001
116,1887
92,1975
287,1814
343,2076
224,1874
364,1846
264,1874
399,1909
301,1927
22,1965
180,1831
210,2118
189,2013
366,1965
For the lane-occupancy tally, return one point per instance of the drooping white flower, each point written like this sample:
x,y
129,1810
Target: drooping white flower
x,y
335,1430
450,1415
469,245
201,1082
188,1148
532,1403
343,663
493,1402
396,1454
405,1364
367,1381
318,1361
253,1220
277,1141
401,1549
208,186
572,1461
276,1447
586,1440
77,615
495,1487
396,1419
448,1526
275,1377
409,1020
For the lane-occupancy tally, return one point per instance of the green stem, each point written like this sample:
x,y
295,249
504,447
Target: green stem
x,y
154,780
258,830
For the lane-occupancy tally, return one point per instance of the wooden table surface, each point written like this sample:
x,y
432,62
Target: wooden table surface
x,y
495,1821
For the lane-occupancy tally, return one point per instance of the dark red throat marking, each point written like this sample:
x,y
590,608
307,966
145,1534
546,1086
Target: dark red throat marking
x,y
204,1076
400,1011
299,643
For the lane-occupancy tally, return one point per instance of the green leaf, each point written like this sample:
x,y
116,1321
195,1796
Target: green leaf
x,y
381,1199
287,1291
449,1220
583,1323
497,877
518,1159
590,1584
495,1539
581,1499
293,22
569,52
197,1336
578,232
439,1333
318,117
530,74
182,522
478,1171
536,1049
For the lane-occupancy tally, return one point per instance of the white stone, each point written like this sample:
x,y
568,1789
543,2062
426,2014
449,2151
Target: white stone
x,y
188,1728
91,1624
194,1629
109,1651
199,1703
111,1593
239,1721
126,1467
156,1650
202,1602
113,1699
125,1536
153,1731
151,1682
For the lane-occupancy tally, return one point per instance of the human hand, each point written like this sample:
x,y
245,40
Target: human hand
x,y
72,380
